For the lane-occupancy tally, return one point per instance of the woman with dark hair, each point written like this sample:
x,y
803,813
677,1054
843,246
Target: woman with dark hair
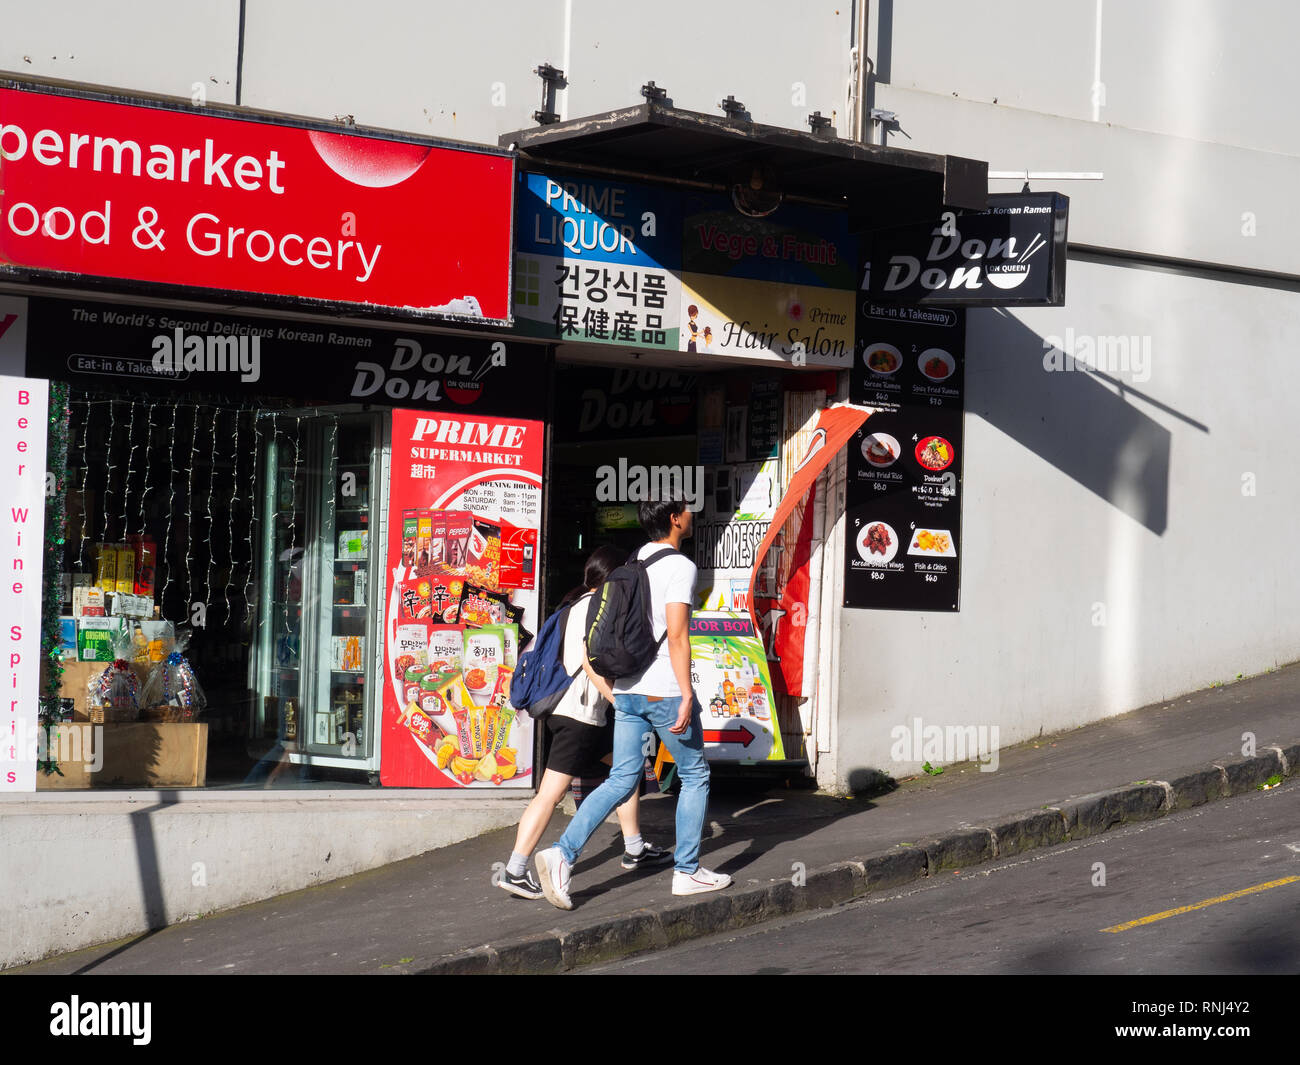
x,y
580,731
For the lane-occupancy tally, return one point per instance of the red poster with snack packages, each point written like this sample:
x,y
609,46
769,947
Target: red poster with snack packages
x,y
453,470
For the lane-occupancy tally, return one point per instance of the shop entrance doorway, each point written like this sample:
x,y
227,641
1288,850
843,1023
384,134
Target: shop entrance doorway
x,y
724,439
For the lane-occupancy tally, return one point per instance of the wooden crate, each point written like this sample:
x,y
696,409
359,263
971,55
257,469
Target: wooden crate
x,y
140,754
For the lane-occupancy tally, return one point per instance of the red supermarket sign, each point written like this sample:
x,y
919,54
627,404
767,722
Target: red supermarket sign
x,y
199,200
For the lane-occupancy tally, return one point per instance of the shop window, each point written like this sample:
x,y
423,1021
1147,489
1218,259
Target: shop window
x,y
214,553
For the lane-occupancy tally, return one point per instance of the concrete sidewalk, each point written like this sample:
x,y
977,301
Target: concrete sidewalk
x,y
439,912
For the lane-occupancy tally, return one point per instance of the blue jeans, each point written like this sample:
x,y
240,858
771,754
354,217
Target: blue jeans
x,y
634,716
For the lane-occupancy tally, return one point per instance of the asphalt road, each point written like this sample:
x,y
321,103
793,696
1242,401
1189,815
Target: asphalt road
x,y
1049,913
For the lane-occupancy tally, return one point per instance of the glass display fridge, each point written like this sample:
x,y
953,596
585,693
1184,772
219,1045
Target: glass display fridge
x,y
319,655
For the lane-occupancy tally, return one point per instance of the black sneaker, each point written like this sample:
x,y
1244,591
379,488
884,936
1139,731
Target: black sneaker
x,y
524,886
649,857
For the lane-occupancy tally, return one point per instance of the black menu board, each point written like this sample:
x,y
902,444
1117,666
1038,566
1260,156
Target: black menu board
x,y
903,504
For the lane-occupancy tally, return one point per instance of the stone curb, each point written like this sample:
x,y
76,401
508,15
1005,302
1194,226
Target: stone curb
x,y
1079,817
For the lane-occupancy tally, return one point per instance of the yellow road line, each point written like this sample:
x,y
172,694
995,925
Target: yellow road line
x,y
1200,905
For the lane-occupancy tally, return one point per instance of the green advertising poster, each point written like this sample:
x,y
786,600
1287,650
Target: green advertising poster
x,y
731,680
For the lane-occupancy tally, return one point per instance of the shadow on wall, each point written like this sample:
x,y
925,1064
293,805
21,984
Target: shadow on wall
x,y
152,901
1082,422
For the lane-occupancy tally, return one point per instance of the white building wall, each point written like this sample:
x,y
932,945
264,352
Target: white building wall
x,y
1115,525
1117,531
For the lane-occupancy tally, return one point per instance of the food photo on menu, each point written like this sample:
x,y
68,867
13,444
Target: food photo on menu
x,y
884,359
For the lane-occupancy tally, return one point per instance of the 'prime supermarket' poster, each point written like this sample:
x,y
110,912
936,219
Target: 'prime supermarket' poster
x,y
463,529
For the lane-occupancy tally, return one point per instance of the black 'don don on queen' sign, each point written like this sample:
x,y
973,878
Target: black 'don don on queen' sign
x,y
904,539
1012,254
97,345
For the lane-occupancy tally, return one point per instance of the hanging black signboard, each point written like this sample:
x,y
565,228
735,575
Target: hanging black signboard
x,y
1012,254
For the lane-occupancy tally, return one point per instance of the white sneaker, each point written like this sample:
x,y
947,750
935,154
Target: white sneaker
x,y
694,883
553,873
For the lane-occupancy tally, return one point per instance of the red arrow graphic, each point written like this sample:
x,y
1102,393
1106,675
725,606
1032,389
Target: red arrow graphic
x,y
739,734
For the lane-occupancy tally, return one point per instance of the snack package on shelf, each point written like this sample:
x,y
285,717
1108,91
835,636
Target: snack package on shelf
x,y
155,640
68,639
351,545
127,605
106,567
146,564
349,652
97,638
172,690
125,570
89,602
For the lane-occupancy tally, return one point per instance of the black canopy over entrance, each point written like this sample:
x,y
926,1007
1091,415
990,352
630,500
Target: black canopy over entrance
x,y
879,186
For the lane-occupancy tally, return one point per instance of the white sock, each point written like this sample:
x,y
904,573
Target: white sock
x,y
633,844
517,864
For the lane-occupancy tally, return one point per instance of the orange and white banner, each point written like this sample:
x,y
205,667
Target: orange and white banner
x,y
785,642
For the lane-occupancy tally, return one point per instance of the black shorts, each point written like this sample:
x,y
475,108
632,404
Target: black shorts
x,y
576,748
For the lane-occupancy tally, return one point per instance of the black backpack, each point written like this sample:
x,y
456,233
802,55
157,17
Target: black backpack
x,y
620,632
540,679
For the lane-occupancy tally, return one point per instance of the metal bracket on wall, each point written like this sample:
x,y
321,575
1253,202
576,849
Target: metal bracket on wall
x,y
733,108
820,124
552,80
888,119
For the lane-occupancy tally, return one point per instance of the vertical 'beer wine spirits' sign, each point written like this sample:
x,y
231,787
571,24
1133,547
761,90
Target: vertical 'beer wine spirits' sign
x,y
24,404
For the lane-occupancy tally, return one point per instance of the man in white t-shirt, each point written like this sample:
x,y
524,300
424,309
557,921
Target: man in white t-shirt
x,y
658,698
